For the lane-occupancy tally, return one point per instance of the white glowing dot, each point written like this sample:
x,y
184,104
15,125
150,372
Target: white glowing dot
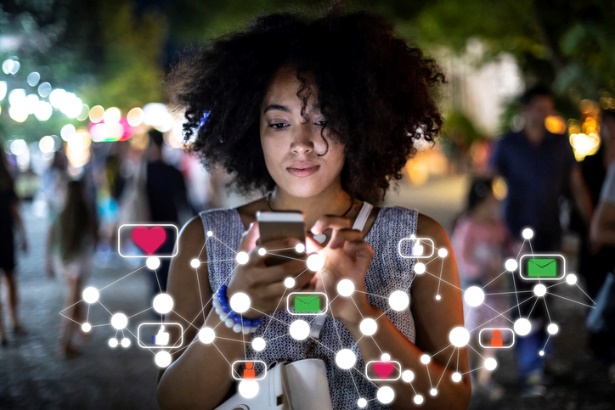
x,y
418,399
399,300
527,233
361,403
262,251
289,282
86,327
385,394
459,336
210,233
207,335
345,287
299,248
162,359
419,268
152,263
511,265
242,257
474,296
90,294
248,389
345,359
315,262
407,376
571,279
259,344
425,359
443,252
240,302
299,330
490,364
368,327
438,297
541,353
113,343
125,343
553,329
119,321
433,392
456,377
385,357
195,263
163,303
540,290
522,327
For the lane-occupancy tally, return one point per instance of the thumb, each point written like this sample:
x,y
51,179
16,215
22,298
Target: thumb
x,y
249,238
312,245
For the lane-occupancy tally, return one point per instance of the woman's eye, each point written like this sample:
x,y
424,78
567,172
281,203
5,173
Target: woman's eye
x,y
321,123
278,125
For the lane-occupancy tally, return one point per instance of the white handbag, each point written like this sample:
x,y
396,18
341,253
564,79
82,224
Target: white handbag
x,y
300,385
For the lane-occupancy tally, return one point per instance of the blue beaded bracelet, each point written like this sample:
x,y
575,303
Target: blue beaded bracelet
x,y
231,318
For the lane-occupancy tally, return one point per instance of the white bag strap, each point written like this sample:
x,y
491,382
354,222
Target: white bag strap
x,y
359,224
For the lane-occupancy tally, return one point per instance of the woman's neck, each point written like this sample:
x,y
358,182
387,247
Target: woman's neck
x,y
330,202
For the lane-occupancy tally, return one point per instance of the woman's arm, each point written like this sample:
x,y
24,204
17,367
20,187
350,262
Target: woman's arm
x,y
433,322
200,376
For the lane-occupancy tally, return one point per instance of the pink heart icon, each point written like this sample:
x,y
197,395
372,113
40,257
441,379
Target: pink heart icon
x,y
383,369
149,239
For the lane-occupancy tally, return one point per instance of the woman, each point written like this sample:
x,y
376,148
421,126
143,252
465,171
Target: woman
x,y
71,241
10,218
318,114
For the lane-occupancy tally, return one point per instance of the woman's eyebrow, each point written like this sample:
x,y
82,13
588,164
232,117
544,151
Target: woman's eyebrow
x,y
277,107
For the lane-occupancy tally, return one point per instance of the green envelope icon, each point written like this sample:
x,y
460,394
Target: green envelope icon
x,y
307,304
542,267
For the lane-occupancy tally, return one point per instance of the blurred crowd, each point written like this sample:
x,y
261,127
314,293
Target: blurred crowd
x,y
85,208
540,172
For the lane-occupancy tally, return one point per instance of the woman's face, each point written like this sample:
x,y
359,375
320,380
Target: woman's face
x,y
293,146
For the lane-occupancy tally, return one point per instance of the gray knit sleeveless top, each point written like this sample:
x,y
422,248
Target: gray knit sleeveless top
x,y
387,273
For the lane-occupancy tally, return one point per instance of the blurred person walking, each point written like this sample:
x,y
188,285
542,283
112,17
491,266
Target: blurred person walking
x,y
71,242
156,194
596,262
539,167
54,183
602,341
480,242
10,218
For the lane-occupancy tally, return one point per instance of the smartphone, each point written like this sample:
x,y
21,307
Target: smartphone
x,y
278,225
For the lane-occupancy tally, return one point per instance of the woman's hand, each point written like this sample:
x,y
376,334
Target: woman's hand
x,y
346,256
265,284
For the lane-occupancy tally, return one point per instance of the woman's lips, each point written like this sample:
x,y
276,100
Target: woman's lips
x,y
303,171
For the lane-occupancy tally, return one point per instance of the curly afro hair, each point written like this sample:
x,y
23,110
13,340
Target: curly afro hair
x,y
374,90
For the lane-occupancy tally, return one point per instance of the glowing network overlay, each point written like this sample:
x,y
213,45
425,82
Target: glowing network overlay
x,y
387,369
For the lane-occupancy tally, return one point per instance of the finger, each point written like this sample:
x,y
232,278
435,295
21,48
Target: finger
x,y
312,245
281,244
344,235
279,289
277,273
249,237
329,222
359,250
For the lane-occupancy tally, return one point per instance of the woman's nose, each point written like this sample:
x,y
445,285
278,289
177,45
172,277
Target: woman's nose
x,y
303,139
